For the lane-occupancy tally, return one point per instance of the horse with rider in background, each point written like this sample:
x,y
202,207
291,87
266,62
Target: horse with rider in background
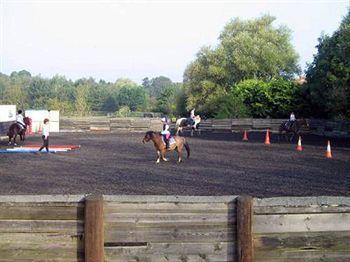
x,y
292,127
18,128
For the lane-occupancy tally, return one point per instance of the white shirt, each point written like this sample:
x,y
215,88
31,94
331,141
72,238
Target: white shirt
x,y
166,130
192,113
46,130
19,119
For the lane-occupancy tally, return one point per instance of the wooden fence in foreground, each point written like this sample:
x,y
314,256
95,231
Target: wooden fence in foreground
x,y
174,228
317,126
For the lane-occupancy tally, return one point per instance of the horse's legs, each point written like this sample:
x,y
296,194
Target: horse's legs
x,y
14,140
163,155
292,137
158,157
179,153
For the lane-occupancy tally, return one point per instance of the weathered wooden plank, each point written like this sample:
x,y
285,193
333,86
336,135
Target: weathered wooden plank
x,y
174,258
169,217
40,241
94,233
52,199
245,248
300,210
167,199
307,256
214,248
303,201
301,223
131,226
114,207
100,128
36,226
52,254
304,241
170,235
39,212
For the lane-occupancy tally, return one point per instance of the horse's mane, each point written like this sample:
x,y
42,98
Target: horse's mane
x,y
151,133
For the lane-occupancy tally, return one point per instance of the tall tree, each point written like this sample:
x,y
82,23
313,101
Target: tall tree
x,y
81,99
247,49
156,85
327,92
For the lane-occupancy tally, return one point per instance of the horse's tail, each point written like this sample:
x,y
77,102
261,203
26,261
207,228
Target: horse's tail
x,y
187,148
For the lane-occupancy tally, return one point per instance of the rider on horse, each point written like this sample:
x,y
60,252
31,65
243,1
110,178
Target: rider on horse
x,y
165,131
291,121
192,116
20,121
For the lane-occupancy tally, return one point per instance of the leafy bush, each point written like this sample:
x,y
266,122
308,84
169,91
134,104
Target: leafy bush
x,y
124,111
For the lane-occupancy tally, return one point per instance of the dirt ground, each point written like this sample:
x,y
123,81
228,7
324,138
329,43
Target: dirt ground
x,y
220,164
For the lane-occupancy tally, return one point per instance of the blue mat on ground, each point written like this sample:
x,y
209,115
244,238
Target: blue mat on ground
x,y
5,151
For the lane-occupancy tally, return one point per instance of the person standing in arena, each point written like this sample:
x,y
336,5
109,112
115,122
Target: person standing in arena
x,y
45,135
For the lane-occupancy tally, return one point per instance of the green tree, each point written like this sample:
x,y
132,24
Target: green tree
x,y
134,97
275,98
252,49
81,99
327,92
156,85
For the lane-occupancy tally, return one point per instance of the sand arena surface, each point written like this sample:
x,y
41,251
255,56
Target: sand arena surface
x,y
220,164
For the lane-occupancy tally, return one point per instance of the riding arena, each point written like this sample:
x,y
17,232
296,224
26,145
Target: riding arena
x,y
243,192
109,157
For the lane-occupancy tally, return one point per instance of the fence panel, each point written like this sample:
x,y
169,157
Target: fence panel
x,y
41,228
303,229
170,229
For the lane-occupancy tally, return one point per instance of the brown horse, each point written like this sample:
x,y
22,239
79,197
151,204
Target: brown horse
x,y
157,140
15,130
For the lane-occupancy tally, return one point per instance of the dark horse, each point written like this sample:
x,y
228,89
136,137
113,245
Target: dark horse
x,y
15,130
178,144
293,128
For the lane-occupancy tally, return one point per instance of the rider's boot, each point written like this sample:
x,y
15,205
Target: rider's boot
x,y
167,143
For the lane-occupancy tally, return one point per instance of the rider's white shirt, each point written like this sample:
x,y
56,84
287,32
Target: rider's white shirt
x,y
19,119
192,113
166,130
292,117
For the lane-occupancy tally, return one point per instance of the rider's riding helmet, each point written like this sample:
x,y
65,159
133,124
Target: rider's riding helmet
x,y
19,112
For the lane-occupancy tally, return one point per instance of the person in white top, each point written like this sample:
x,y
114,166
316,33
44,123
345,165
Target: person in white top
x,y
165,131
192,116
192,113
45,135
19,120
292,120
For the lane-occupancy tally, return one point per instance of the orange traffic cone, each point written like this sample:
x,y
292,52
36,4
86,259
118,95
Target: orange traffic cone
x,y
329,153
299,147
267,137
245,136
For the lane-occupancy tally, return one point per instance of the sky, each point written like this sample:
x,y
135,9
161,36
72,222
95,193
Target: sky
x,y
137,39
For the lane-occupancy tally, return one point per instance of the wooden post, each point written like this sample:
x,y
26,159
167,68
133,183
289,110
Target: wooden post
x,y
244,229
94,235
